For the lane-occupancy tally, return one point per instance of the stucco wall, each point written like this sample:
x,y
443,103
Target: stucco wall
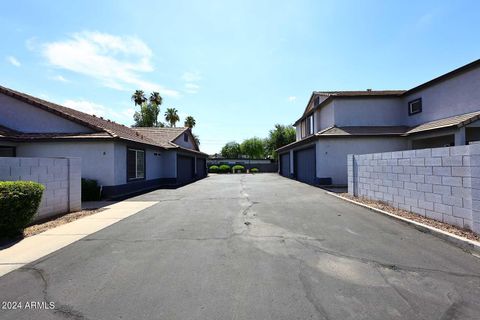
x,y
332,153
369,112
325,116
97,157
20,116
441,183
455,96
185,144
60,176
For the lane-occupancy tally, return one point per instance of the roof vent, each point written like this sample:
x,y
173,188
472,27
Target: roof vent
x,y
369,90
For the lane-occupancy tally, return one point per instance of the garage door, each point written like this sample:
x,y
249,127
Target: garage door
x,y
201,167
305,165
285,164
185,169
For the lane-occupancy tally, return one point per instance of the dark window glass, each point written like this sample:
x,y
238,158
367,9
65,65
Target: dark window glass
x,y
415,106
7,151
185,137
135,164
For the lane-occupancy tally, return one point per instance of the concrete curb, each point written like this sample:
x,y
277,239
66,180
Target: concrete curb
x,y
468,245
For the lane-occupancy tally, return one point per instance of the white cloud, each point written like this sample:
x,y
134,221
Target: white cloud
x,y
191,79
59,78
116,62
100,110
13,61
292,99
191,76
191,87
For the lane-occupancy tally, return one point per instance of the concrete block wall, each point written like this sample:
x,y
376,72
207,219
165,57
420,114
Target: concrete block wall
x,y
60,176
440,183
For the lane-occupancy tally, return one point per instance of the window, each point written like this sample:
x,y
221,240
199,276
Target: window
x,y
7,151
415,106
310,125
185,137
304,127
135,164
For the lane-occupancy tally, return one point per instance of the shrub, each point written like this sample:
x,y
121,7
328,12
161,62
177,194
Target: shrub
x,y
19,201
254,170
90,190
213,169
224,168
238,168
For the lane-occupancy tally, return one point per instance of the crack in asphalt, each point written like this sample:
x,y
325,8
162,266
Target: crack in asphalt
x,y
60,309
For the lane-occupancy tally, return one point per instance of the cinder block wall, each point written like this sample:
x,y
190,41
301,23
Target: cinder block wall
x,y
441,183
60,176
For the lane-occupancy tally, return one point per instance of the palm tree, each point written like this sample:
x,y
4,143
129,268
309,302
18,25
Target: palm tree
x,y
190,122
156,98
139,97
171,116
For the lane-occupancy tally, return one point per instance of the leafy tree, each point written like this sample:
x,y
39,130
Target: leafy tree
x,y
231,150
280,136
190,122
139,97
197,139
149,110
171,116
254,148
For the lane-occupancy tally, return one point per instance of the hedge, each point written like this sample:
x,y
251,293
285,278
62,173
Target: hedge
x,y
224,168
90,190
237,168
254,170
19,201
213,169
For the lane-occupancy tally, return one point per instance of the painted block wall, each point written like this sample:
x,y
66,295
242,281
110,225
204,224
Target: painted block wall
x,y
440,183
60,176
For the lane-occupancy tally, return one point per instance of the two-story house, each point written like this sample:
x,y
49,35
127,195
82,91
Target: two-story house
x,y
444,111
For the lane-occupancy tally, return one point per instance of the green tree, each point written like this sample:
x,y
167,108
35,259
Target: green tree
x,y
280,136
171,116
253,148
197,139
139,97
190,122
231,150
149,111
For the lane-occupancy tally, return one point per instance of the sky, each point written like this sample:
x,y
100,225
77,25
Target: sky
x,y
237,67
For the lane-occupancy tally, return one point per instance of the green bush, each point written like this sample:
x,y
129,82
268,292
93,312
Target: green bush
x,y
19,201
213,169
238,168
254,170
224,168
90,190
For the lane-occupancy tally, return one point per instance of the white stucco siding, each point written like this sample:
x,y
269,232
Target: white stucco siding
x,y
20,116
369,112
97,157
325,116
332,153
185,144
451,97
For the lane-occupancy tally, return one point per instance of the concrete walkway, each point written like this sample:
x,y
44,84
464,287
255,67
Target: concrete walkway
x,y
250,247
42,244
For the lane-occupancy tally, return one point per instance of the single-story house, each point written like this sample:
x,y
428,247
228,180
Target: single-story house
x,y
442,112
122,159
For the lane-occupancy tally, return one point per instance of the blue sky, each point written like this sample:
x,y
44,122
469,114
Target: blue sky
x,y
238,67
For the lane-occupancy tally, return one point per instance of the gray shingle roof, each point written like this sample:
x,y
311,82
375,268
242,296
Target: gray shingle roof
x,y
458,120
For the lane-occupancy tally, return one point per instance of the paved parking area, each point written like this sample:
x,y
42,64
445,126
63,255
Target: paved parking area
x,y
250,247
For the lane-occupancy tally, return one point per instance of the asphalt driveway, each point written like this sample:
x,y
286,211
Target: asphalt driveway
x,y
250,247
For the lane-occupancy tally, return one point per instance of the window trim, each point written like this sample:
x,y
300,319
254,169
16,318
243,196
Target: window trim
x,y
410,106
144,164
311,124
